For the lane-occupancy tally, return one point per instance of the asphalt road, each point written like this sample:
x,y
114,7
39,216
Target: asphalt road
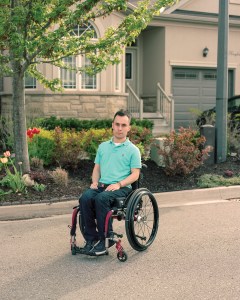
x,y
194,256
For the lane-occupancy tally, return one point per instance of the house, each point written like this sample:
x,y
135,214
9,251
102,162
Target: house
x,y
167,75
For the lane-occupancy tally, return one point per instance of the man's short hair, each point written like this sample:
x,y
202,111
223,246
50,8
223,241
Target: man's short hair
x,y
123,113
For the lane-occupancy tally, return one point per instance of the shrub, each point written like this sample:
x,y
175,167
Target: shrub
x,y
36,163
92,138
182,152
6,134
42,146
60,176
142,138
79,125
68,150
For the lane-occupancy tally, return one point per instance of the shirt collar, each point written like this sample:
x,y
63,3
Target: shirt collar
x,y
122,144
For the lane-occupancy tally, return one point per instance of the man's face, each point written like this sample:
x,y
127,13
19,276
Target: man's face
x,y
120,127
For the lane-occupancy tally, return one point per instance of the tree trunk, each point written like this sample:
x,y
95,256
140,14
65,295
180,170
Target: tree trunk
x,y
19,118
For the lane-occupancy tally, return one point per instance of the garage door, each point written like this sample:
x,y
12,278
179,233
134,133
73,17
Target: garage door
x,y
194,90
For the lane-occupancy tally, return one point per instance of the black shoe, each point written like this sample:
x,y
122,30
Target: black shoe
x,y
98,249
88,247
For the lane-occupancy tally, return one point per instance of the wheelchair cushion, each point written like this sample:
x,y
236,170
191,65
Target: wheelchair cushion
x,y
119,202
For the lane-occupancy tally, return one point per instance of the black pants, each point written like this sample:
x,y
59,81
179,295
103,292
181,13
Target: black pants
x,y
94,206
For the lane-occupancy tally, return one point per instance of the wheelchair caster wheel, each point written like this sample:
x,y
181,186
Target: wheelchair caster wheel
x,y
122,256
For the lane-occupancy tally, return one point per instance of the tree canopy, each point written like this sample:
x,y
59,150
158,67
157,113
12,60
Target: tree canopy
x,y
41,32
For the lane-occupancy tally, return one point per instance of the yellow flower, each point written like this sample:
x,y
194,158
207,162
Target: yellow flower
x,y
4,160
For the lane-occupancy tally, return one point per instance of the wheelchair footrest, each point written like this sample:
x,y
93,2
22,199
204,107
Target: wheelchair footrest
x,y
113,234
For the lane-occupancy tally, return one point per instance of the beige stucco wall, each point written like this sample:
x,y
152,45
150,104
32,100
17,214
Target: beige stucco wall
x,y
153,59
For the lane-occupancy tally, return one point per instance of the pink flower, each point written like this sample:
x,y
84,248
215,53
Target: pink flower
x,y
7,154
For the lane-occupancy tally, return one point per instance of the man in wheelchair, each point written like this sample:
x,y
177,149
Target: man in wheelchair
x,y
117,166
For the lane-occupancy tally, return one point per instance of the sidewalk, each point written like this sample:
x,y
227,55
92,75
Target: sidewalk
x,y
169,199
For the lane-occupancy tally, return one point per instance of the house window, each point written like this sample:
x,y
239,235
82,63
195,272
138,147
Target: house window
x,y
30,82
88,81
70,78
186,75
209,76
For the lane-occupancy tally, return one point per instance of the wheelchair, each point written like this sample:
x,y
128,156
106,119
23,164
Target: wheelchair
x,y
140,212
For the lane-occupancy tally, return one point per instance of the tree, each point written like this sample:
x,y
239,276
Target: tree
x,y
40,31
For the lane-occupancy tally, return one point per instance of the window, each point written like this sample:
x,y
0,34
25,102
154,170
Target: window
x,y
30,82
210,76
81,30
88,81
186,75
70,78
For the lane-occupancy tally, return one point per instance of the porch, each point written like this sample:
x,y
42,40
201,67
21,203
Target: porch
x,y
158,108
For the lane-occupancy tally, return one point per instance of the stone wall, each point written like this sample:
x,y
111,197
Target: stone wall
x,y
82,106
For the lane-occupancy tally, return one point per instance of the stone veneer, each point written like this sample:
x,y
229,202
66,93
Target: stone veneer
x,y
80,106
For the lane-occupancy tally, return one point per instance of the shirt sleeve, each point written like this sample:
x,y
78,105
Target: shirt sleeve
x,y
136,159
98,156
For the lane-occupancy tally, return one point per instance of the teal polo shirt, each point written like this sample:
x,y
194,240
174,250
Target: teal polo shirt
x,y
116,161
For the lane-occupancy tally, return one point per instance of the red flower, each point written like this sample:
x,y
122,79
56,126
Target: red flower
x,y
35,130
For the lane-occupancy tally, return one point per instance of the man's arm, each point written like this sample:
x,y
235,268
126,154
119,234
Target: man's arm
x,y
125,182
131,178
95,176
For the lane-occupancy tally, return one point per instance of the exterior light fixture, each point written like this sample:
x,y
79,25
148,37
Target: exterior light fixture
x,y
205,52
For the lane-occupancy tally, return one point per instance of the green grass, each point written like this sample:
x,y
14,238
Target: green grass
x,y
209,181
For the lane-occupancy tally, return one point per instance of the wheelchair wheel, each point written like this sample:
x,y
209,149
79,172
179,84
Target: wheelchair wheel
x,y
142,219
122,257
80,222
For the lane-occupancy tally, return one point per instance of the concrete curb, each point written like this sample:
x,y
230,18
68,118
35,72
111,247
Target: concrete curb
x,y
169,199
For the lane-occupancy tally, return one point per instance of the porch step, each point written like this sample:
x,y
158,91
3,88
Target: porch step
x,y
160,126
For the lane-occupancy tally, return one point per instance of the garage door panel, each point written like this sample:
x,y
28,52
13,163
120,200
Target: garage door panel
x,y
187,101
183,109
183,91
209,91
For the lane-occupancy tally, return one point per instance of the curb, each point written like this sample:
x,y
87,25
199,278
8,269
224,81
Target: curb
x,y
166,199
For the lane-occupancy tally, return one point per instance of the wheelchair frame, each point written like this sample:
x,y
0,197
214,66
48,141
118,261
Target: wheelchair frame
x,y
140,212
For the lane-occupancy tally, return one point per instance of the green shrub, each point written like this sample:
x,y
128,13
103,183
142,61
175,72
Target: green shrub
x,y
182,152
6,134
71,123
92,138
42,146
142,138
68,148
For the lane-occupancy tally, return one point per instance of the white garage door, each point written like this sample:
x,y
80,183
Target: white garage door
x,y
193,90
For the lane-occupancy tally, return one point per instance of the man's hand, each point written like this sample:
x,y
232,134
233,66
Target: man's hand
x,y
94,185
113,187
